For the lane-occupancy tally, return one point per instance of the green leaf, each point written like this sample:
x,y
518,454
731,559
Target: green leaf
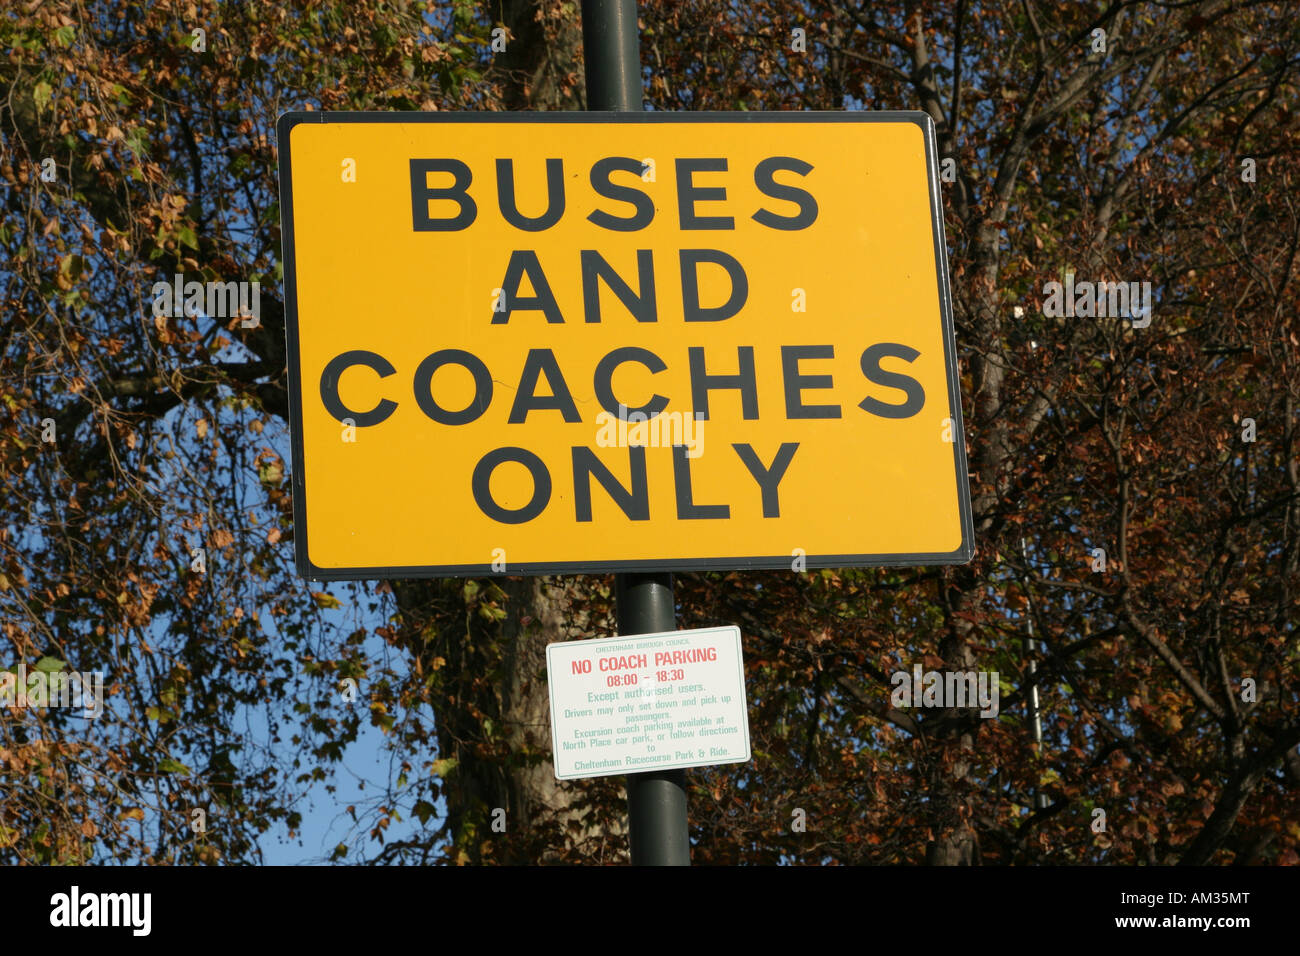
x,y
186,236
65,35
173,766
443,767
41,93
48,665
491,612
72,266
325,600
137,141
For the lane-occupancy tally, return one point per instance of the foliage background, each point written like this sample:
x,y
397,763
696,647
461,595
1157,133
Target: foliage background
x,y
171,435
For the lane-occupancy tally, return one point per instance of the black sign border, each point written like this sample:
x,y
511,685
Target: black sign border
x,y
311,572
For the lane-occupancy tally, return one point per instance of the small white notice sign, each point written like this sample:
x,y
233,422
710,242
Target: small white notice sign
x,y
647,702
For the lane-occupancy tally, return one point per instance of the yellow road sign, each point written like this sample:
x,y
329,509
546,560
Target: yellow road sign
x,y
580,342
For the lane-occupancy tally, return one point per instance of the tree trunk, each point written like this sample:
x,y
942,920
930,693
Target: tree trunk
x,y
493,714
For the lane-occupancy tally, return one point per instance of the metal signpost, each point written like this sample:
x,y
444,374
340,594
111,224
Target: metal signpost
x,y
619,341
658,831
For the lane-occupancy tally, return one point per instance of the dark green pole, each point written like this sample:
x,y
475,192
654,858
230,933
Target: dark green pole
x,y
656,801
612,51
